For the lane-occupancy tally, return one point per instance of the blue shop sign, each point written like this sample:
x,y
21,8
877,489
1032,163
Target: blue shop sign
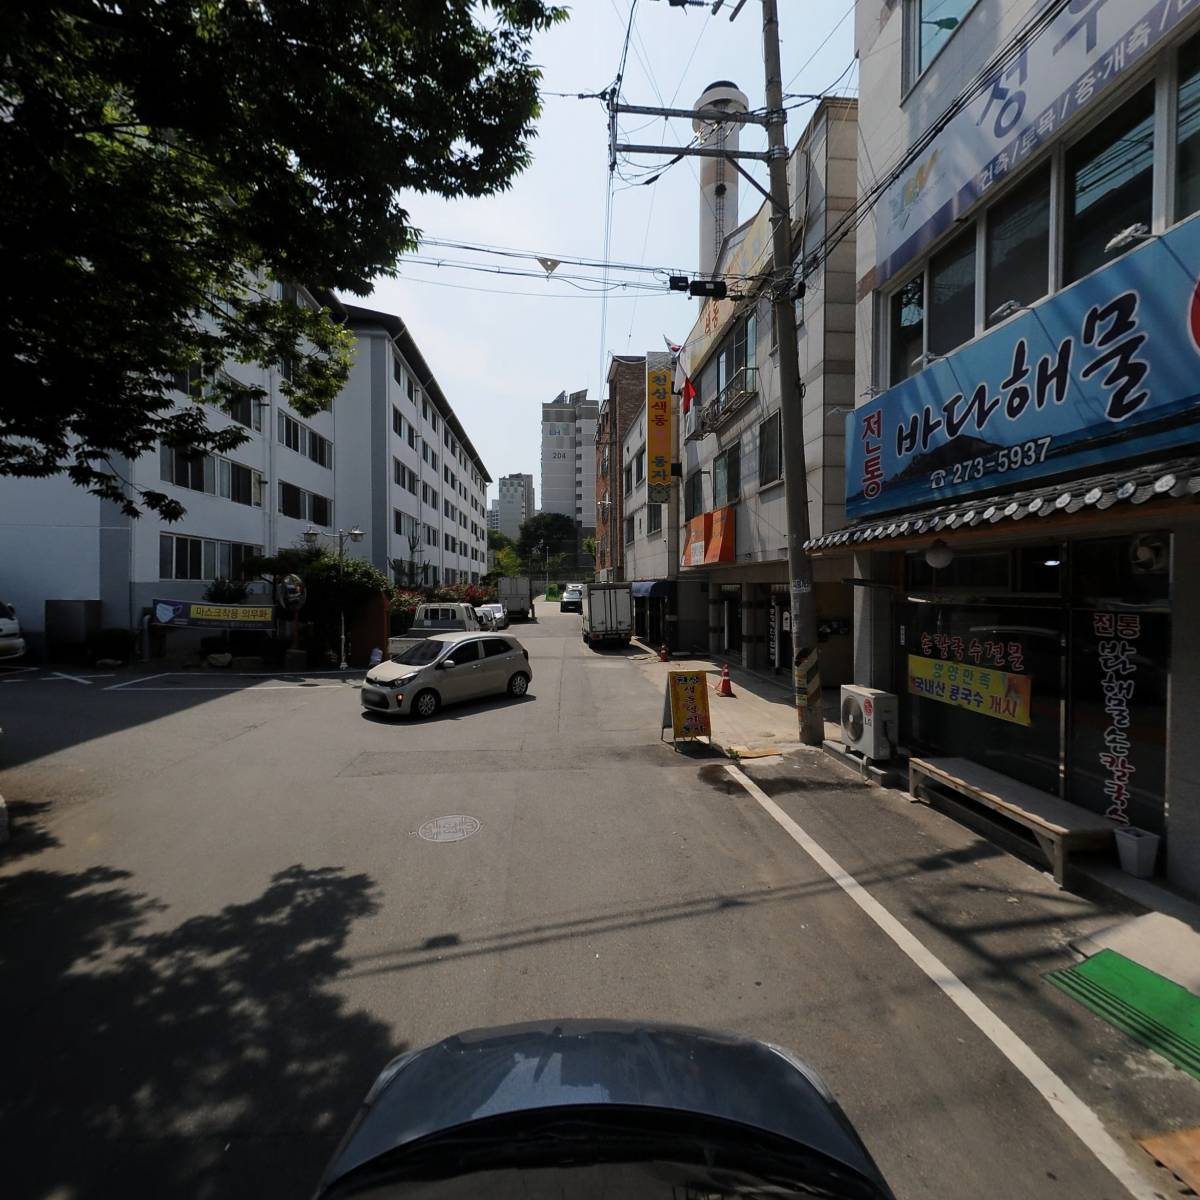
x,y
1104,371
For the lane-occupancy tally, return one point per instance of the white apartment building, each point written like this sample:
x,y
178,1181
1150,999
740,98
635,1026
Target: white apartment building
x,y
493,515
334,469
569,458
410,477
514,504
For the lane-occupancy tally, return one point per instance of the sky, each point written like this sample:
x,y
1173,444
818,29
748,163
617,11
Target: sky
x,y
498,355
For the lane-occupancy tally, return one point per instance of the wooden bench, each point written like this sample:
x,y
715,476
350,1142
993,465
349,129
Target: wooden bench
x,y
1058,827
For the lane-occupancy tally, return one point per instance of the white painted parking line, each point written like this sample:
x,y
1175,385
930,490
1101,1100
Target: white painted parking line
x,y
72,678
261,687
1077,1116
112,687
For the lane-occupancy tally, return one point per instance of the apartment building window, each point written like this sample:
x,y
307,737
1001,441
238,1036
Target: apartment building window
x,y
397,422
184,557
639,465
397,372
952,294
430,536
447,542
412,437
1108,184
770,460
246,410
406,526
628,530
425,451
462,549
433,459
410,388
245,485
693,495
448,509
433,420
653,518
1187,132
628,478
1018,246
188,469
908,329
298,437
727,473
303,505
424,409
445,474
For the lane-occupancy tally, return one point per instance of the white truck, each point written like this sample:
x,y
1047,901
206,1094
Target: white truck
x,y
435,618
516,594
607,613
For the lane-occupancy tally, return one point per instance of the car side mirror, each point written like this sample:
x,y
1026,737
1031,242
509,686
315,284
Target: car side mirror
x,y
446,664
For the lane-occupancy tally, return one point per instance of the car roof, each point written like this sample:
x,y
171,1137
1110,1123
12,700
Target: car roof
x,y
462,635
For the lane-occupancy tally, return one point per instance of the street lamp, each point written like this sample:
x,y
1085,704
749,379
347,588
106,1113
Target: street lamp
x,y
310,536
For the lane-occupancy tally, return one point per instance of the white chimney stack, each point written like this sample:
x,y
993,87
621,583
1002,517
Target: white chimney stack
x,y
718,180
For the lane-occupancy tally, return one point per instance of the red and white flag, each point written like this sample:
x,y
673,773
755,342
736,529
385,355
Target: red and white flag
x,y
673,347
689,393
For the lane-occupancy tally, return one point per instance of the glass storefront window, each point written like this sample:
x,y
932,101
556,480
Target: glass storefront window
x,y
1187,154
1108,184
987,572
952,294
1121,570
984,682
1018,246
908,329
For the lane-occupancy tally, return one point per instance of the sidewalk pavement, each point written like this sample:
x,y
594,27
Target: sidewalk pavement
x,y
760,718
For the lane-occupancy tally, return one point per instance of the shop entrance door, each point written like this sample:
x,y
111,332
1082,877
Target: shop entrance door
x,y
732,631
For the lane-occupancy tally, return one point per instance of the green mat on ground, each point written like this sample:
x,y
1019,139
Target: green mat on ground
x,y
1153,1010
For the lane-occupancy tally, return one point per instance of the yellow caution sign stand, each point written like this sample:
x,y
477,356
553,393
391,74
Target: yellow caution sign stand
x,y
685,707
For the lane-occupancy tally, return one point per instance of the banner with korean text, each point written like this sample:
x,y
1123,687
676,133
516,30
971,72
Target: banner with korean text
x,y
982,690
660,441
1099,373
182,614
1086,50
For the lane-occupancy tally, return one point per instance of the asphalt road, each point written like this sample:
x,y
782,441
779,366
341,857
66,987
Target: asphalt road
x,y
218,921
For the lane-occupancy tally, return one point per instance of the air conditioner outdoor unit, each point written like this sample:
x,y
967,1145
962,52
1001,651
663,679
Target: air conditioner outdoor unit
x,y
869,721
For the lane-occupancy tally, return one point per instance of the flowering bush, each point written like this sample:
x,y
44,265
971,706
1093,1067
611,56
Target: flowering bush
x,y
474,594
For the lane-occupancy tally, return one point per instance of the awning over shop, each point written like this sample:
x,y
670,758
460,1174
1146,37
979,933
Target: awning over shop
x,y
651,587
1178,479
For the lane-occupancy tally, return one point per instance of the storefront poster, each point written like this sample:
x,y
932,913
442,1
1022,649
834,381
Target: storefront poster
x,y
983,690
659,431
1088,47
1119,677
183,614
685,705
1101,372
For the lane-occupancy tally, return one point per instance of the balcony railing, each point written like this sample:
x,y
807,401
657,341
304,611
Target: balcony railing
x,y
734,396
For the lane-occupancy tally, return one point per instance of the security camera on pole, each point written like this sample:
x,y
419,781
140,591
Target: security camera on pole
x,y
806,678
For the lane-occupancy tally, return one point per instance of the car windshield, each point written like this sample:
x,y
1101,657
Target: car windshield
x,y
419,654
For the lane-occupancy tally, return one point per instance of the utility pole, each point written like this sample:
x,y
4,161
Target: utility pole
x,y
806,677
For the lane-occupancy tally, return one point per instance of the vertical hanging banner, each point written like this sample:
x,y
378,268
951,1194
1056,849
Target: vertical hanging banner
x,y
660,442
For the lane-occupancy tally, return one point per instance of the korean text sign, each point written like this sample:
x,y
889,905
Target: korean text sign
x,y
982,690
659,428
688,694
1087,48
186,613
1104,371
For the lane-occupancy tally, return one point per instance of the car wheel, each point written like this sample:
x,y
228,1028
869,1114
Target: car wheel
x,y
425,704
518,685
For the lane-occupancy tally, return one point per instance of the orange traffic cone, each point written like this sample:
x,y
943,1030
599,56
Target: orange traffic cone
x,y
725,688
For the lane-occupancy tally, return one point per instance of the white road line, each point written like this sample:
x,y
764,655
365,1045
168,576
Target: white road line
x,y
264,687
1077,1116
112,687
72,678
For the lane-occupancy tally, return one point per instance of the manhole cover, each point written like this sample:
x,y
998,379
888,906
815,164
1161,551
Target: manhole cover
x,y
449,829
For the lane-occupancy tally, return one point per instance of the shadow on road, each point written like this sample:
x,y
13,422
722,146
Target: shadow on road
x,y
211,1059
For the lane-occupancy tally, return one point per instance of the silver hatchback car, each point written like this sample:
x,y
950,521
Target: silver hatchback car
x,y
444,668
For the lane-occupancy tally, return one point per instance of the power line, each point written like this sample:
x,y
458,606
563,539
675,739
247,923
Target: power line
x,y
824,43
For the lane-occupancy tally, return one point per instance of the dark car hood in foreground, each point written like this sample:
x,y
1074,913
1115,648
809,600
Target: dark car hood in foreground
x,y
485,1074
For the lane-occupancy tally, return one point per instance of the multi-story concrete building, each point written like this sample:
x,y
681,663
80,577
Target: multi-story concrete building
x,y
408,464
569,458
493,515
625,399
733,534
1023,463
514,504
390,457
